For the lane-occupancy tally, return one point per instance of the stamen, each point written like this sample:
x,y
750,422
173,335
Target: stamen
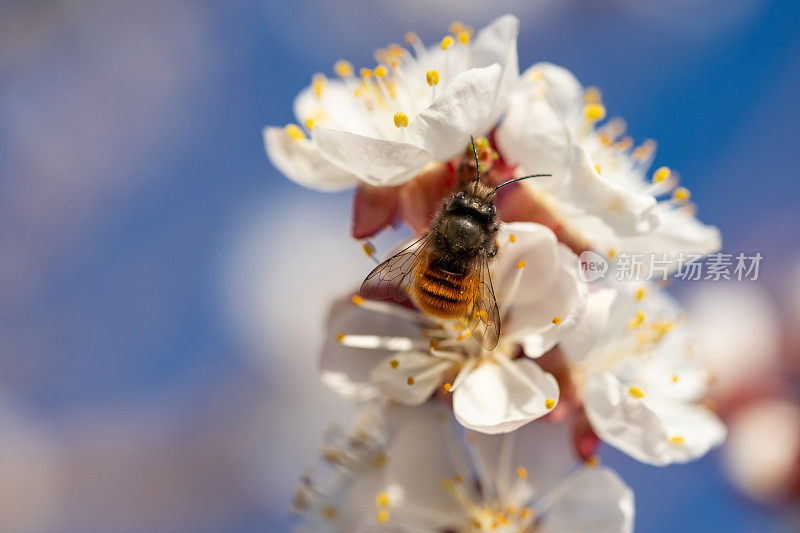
x,y
637,319
636,392
522,473
521,263
309,123
365,73
380,71
394,363
382,499
556,320
463,37
512,238
294,131
343,69
661,174
549,403
677,439
447,42
594,112
592,461
681,195
597,168
319,81
383,516
433,77
446,387
592,95
675,379
375,342
400,120
358,300
640,293
410,380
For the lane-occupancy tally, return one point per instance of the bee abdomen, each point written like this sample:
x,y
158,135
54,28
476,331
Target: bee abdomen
x,y
444,294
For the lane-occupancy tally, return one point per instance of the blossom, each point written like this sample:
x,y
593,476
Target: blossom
x,y
523,481
380,347
382,126
639,380
599,187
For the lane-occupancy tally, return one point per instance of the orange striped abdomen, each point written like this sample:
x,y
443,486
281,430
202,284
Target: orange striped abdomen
x,y
444,294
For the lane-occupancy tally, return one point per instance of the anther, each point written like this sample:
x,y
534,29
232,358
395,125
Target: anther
x,y
592,461
410,380
636,392
294,131
640,293
446,387
432,76
400,120
318,82
380,71
343,69
592,95
382,499
394,363
512,238
447,42
383,516
340,337
358,300
661,174
365,73
522,473
681,195
368,248
637,319
411,37
597,168
549,403
677,439
521,263
463,37
594,112
556,320
309,123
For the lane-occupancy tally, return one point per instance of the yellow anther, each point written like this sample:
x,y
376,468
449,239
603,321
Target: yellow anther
x,y
549,403
394,363
612,253
681,194
637,319
677,439
433,77
556,320
522,473
309,123
521,263
383,516
328,512
382,499
400,120
380,71
460,338
535,75
458,478
358,300
675,378
318,82
467,333
597,168
604,138
640,294
447,484
525,513
411,37
365,73
368,248
343,68
592,461
624,144
592,96
456,27
446,387
340,337
594,112
636,392
294,131
434,345
447,42
463,37
512,238
410,381
661,174
645,150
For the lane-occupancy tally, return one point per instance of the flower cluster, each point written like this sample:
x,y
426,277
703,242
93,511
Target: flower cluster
x,y
455,437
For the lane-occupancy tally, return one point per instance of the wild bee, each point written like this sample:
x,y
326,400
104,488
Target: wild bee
x,y
446,271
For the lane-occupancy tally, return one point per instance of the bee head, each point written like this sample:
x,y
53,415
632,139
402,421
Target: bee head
x,y
468,204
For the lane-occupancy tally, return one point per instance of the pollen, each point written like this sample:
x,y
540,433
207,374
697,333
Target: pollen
x,y
394,363
681,194
637,319
636,392
294,131
380,71
661,174
463,37
365,73
343,69
446,387
433,77
319,81
556,320
522,473
400,120
382,499
677,439
309,123
410,381
358,300
640,294
512,238
383,516
594,112
521,263
549,403
447,42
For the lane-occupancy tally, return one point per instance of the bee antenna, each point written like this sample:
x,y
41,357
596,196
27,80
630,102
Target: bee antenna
x,y
519,179
477,162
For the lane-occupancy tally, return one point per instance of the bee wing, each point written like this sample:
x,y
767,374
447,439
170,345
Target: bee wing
x,y
484,316
392,278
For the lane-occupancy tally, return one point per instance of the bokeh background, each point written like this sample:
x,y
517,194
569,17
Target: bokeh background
x,y
163,288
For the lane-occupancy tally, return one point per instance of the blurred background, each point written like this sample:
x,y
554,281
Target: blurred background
x,y
163,288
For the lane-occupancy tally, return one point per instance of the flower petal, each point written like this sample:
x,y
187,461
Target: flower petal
x,y
301,161
562,88
444,127
379,162
374,208
598,501
498,397
409,378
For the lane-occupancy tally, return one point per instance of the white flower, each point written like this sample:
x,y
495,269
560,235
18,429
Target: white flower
x,y
379,346
523,481
599,185
639,380
384,126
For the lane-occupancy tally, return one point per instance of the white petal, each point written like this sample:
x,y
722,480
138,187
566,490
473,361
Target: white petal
x,y
562,88
379,162
598,502
497,43
425,370
301,161
464,108
646,428
592,325
498,398
346,369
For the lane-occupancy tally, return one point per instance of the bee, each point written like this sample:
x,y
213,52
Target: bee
x,y
446,271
